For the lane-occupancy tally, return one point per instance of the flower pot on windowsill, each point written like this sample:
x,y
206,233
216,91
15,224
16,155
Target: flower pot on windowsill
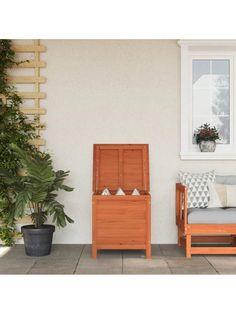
x,y
207,146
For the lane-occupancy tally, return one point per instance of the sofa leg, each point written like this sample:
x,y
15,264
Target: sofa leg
x,y
188,245
180,234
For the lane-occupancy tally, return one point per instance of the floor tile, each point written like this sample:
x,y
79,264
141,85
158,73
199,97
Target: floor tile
x,y
54,266
69,259
16,266
134,254
194,265
107,262
178,261
134,265
99,270
65,251
188,270
171,250
223,264
16,252
156,250
102,255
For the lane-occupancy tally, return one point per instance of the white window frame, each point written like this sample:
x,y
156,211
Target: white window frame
x,y
205,49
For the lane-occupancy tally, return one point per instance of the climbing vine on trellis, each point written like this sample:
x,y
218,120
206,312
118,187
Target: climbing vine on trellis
x,y
14,128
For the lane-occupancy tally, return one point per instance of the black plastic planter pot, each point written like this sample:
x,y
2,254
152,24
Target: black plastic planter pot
x,y
38,242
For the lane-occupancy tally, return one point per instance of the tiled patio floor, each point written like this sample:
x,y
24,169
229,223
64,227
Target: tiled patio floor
x,y
76,259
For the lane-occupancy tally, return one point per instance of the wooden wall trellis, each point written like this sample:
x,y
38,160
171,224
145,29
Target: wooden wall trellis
x,y
35,79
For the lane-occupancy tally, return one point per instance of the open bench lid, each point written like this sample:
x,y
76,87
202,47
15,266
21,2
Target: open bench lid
x,y
120,165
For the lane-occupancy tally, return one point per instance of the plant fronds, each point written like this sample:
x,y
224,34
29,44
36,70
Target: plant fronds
x,y
36,189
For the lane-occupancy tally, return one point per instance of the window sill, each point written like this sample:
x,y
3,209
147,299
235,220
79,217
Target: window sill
x,y
207,156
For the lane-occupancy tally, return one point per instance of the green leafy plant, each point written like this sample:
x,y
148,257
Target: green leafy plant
x,y
14,125
206,133
8,234
34,193
14,128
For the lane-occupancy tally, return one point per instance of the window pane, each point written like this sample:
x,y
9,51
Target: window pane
x,y
201,68
220,67
201,99
220,73
220,101
222,123
211,95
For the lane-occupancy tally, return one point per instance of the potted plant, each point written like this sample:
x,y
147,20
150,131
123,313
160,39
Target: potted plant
x,y
206,137
34,194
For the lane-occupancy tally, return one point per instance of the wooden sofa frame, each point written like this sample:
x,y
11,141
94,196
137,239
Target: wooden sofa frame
x,y
201,233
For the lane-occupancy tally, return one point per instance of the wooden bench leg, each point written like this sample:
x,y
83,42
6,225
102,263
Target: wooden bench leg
x,y
188,245
180,234
148,252
94,251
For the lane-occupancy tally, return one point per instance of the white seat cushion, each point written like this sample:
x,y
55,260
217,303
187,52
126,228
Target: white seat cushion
x,y
212,215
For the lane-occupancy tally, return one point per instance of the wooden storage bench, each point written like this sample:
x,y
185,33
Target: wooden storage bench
x,y
121,221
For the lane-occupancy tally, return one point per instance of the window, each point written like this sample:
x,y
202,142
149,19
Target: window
x,y
211,95
207,89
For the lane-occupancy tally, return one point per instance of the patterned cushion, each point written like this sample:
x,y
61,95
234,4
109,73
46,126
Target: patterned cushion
x,y
197,183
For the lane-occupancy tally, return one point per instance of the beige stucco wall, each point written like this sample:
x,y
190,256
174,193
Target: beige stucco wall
x,y
108,91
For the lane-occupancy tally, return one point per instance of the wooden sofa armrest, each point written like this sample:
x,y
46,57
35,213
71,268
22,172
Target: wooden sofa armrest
x,y
181,203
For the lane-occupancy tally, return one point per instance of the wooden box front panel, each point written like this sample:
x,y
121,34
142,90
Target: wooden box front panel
x,y
120,221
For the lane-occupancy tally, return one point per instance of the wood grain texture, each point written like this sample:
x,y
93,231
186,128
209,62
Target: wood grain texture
x,y
201,233
212,239
29,48
30,111
32,95
121,222
34,80
26,79
31,64
213,250
121,165
188,245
